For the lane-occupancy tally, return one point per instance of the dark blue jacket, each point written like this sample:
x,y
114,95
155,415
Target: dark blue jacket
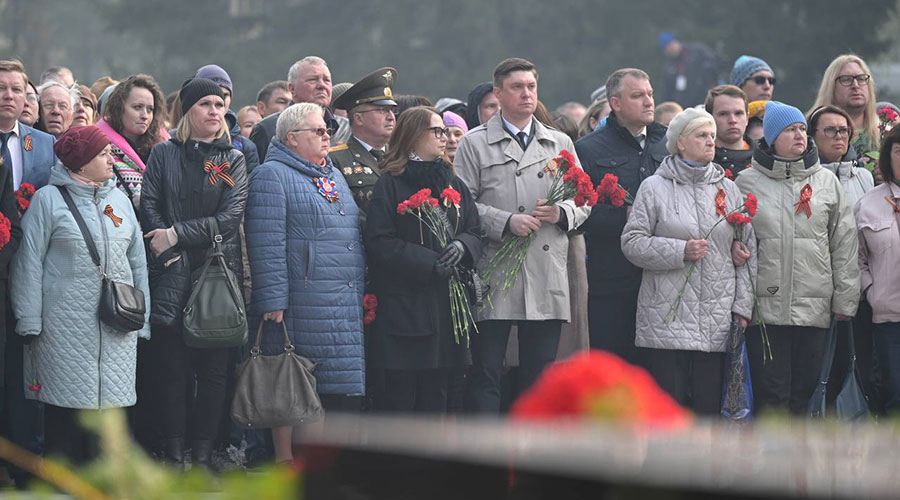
x,y
306,257
613,150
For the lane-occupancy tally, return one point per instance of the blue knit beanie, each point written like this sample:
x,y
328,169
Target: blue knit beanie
x,y
745,66
664,38
215,73
778,117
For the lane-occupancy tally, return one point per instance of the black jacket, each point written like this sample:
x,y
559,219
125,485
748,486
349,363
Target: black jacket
x,y
241,143
613,150
413,301
177,192
264,131
735,160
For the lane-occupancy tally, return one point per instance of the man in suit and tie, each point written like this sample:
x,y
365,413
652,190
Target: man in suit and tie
x,y
29,152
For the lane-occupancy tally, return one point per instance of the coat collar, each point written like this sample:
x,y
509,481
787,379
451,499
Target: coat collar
x,y
533,152
780,168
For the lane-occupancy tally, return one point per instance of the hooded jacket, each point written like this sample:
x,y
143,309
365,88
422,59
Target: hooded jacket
x,y
855,180
79,361
673,206
307,258
473,116
241,143
807,265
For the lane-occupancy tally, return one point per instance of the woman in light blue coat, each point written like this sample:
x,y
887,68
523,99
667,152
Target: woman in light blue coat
x,y
77,361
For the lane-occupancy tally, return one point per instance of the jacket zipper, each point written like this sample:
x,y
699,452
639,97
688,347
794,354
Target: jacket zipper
x,y
99,323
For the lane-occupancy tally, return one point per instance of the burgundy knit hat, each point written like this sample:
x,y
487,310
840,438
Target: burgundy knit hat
x,y
79,145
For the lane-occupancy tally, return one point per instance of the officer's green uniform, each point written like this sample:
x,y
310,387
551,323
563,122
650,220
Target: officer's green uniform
x,y
360,167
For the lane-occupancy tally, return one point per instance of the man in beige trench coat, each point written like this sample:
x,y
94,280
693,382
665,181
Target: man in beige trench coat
x,y
502,162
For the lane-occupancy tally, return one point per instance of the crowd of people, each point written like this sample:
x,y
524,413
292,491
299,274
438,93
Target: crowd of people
x,y
300,194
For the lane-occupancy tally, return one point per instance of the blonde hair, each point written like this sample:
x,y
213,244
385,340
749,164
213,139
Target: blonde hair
x,y
826,95
186,130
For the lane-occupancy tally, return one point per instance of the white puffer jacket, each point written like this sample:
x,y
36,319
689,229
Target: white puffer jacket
x,y
855,180
673,206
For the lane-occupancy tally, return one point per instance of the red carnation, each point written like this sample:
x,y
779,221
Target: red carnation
x,y
417,199
599,385
451,197
729,174
35,386
26,189
5,227
751,204
617,197
370,304
23,204
23,196
432,201
403,207
568,157
738,218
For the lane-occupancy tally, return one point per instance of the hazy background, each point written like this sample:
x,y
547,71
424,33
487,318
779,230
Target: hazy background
x,y
444,49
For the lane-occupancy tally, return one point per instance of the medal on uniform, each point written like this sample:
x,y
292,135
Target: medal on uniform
x,y
327,189
367,170
348,171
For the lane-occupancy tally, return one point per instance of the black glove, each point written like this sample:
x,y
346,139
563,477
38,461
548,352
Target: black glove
x,y
452,254
449,257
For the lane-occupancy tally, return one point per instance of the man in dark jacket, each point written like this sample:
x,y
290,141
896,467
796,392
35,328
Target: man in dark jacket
x,y
482,105
689,70
728,105
630,146
309,81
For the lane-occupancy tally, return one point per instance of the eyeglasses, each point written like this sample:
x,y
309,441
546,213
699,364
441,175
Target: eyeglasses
x,y
321,131
761,80
61,106
836,132
381,111
32,98
847,80
439,132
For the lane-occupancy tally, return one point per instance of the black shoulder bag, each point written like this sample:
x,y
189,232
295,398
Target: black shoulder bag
x,y
122,306
851,402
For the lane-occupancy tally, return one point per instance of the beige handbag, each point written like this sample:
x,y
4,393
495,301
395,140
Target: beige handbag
x,y
275,391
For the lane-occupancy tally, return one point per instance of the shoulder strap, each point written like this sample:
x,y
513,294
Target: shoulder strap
x,y
214,233
123,183
830,346
88,240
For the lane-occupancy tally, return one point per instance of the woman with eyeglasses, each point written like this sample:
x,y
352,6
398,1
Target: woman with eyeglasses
x,y
878,222
412,336
307,260
832,128
189,179
848,84
807,260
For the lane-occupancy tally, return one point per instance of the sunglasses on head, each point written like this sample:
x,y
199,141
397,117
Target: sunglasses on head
x,y
761,80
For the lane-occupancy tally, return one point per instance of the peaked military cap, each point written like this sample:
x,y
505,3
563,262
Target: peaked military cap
x,y
374,88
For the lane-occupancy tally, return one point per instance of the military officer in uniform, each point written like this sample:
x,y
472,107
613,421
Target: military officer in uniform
x,y
370,107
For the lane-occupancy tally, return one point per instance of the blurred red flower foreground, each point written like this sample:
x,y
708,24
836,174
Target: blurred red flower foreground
x,y
598,385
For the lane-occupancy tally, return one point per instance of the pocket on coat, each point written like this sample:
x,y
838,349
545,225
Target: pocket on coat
x,y
879,235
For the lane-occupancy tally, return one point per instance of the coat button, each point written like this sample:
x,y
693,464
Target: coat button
x,y
642,169
613,163
546,247
521,209
540,174
350,247
342,212
350,284
518,173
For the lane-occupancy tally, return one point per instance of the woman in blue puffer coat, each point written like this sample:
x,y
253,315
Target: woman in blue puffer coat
x,y
307,260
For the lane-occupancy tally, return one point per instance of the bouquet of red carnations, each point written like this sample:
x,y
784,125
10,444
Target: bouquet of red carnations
x,y
425,208
569,181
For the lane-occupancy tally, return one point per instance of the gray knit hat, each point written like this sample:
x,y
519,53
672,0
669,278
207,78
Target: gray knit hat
x,y
684,121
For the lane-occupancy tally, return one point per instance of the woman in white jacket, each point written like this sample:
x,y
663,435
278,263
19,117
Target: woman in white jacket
x,y
666,235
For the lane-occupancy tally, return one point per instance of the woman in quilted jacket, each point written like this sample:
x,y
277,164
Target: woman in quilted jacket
x,y
808,268
691,290
77,361
189,179
307,260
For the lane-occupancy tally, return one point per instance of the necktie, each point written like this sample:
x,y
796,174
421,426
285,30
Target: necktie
x,y
4,150
640,139
523,140
377,153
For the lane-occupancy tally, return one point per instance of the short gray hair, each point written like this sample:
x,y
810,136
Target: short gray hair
x,y
72,91
294,72
614,82
294,117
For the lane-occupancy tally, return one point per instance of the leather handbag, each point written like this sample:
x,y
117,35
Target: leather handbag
x,y
851,402
214,315
122,306
275,391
